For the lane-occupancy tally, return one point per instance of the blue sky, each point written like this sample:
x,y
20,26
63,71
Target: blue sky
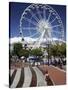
x,y
16,9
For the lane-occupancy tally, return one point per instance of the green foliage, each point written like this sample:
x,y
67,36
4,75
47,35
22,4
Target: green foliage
x,y
36,52
54,50
19,51
24,52
62,50
16,48
57,50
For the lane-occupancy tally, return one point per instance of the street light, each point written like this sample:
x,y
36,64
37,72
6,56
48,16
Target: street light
x,y
48,45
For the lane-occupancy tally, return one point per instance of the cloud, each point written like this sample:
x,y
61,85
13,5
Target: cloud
x,y
31,40
15,39
18,39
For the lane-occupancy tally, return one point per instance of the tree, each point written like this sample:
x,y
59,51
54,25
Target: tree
x,y
62,50
57,50
36,52
16,48
24,52
52,51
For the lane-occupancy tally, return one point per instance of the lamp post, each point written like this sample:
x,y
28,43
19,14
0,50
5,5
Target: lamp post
x,y
48,54
48,45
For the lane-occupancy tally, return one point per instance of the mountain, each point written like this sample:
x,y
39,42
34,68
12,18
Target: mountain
x,y
31,40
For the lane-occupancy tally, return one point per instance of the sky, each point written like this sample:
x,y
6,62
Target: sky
x,y
16,10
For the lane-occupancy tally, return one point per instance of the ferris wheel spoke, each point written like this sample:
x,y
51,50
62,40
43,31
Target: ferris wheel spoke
x,y
29,28
44,13
40,38
56,26
36,42
53,20
34,34
49,16
34,16
32,22
30,32
38,12
56,32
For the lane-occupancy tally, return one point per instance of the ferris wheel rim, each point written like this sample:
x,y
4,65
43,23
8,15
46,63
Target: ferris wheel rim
x,y
45,6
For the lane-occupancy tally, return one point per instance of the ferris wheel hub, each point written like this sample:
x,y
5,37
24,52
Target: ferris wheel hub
x,y
44,25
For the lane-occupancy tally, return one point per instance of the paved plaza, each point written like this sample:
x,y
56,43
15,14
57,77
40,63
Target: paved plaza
x,y
36,76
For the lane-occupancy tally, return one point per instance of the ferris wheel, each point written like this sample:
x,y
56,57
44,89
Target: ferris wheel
x,y
41,22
